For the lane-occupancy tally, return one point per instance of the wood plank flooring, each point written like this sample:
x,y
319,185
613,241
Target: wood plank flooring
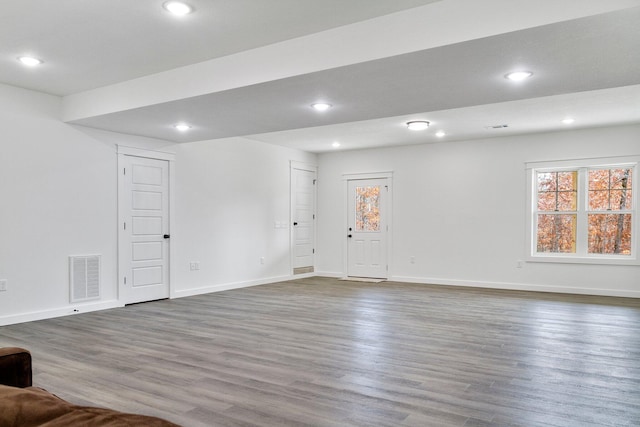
x,y
324,352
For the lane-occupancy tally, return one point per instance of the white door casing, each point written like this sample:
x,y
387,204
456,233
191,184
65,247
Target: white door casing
x,y
303,197
143,205
367,227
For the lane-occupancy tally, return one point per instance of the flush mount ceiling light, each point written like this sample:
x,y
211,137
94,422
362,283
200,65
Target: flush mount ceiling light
x,y
418,125
30,61
182,127
568,121
335,144
518,76
440,134
177,8
321,106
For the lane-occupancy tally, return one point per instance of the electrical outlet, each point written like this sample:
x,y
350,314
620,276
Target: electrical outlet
x,y
194,265
3,285
412,260
261,260
519,264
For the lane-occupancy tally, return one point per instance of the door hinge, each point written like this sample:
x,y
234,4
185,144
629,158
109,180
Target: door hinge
x,y
124,171
125,280
314,182
313,251
314,216
124,225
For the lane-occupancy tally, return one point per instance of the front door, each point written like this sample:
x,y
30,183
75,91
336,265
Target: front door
x,y
367,228
144,229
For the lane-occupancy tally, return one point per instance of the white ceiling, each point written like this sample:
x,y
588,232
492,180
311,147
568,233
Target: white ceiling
x,y
131,67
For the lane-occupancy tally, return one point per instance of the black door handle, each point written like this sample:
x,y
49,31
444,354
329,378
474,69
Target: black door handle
x,y
166,236
295,223
349,235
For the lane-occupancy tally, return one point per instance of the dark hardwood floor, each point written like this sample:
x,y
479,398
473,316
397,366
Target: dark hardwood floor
x,y
324,352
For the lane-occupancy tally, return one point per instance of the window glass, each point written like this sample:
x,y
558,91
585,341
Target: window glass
x,y
557,191
610,234
556,233
368,208
610,189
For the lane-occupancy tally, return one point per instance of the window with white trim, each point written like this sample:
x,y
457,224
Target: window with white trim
x,y
584,211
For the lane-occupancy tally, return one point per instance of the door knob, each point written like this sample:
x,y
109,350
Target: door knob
x,y
349,235
166,236
295,223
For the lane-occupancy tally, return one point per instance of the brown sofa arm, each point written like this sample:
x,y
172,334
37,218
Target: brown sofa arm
x,y
15,367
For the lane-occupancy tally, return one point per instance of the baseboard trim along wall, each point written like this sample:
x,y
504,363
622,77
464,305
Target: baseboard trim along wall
x,y
59,312
518,287
236,285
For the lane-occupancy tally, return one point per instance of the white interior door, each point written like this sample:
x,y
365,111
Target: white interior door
x,y
303,218
367,228
144,229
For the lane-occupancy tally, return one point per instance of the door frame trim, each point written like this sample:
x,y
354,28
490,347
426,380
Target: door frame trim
x,y
346,178
123,151
310,168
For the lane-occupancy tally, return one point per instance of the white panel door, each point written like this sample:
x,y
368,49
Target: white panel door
x,y
303,216
367,228
144,229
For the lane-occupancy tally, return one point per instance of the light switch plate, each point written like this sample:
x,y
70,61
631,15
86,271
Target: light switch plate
x,y
3,285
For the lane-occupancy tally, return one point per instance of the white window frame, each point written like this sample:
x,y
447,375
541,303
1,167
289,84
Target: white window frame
x,y
581,256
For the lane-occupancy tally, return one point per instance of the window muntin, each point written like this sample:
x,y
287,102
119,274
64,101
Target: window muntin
x,y
584,213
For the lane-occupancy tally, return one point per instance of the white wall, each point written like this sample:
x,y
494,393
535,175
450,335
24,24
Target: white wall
x,y
228,195
58,195
459,209
57,198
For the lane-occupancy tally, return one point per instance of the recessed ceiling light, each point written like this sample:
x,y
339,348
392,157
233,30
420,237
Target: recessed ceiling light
x,y
30,61
440,134
568,121
321,106
418,125
518,76
177,8
182,127
335,144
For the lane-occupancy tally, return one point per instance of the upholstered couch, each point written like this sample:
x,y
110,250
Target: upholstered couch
x,y
26,406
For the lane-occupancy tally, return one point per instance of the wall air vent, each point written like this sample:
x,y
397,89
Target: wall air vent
x,y
84,275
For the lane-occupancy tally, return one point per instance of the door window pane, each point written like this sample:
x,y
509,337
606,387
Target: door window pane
x,y
610,234
368,208
556,233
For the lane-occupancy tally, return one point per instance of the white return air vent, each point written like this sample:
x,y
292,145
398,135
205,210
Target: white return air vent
x,y
84,272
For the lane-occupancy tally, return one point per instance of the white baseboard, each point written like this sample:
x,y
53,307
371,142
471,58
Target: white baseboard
x,y
234,285
332,274
518,286
59,312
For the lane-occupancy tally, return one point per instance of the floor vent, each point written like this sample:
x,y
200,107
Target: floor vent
x,y
85,277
